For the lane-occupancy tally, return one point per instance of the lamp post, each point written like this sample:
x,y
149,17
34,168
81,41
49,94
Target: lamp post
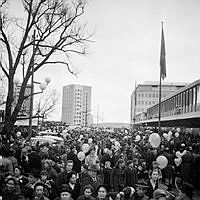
x,y
42,87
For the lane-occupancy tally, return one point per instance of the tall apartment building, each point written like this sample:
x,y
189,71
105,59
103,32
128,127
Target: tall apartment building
x,y
76,105
25,108
147,94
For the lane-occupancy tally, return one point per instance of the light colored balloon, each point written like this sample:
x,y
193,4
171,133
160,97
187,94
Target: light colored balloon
x,y
165,135
170,133
90,140
177,161
85,147
19,134
137,138
162,162
176,134
81,155
154,140
178,130
178,154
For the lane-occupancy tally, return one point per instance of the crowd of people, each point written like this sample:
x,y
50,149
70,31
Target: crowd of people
x,y
95,164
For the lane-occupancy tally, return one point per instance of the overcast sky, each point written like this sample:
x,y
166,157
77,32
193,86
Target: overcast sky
x,y
127,49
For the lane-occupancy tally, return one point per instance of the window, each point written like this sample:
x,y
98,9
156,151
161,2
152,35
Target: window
x,y
138,94
150,95
142,95
153,95
146,95
138,102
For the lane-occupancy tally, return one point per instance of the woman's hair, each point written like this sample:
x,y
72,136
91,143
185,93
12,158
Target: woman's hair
x,y
70,174
154,170
88,187
119,162
102,186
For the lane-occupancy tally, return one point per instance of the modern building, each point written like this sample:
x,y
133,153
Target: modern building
x,y
76,105
147,94
25,108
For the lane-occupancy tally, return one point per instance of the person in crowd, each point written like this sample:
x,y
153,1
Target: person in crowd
x,y
84,172
6,166
26,193
12,157
130,174
141,190
102,193
48,190
52,174
65,193
126,194
72,155
152,183
62,176
117,176
106,174
20,178
87,193
39,192
73,184
186,165
92,179
159,195
33,178
92,158
186,192
10,190
34,160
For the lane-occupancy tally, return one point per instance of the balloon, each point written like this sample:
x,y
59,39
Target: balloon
x,y
137,138
178,154
81,156
154,140
85,148
178,130
19,134
162,162
170,133
90,140
165,135
176,134
81,136
177,161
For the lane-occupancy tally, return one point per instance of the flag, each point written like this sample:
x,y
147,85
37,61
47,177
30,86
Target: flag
x,y
162,57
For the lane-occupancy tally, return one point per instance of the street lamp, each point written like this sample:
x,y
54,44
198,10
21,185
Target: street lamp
x,y
42,87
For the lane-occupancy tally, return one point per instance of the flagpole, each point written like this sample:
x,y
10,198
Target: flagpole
x,y
159,107
162,76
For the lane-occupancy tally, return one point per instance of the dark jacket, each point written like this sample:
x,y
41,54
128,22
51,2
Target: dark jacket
x,y
87,180
75,191
117,179
130,177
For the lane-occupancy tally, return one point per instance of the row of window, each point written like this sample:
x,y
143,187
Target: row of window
x,y
146,102
150,95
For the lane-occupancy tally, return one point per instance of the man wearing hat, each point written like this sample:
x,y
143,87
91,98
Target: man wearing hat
x,y
141,189
92,179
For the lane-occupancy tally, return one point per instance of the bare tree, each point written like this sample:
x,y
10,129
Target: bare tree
x,y
50,28
46,104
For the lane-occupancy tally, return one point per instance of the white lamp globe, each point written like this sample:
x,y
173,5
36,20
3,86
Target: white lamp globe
x,y
43,86
47,80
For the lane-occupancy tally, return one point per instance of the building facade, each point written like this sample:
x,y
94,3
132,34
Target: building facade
x,y
147,94
76,105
